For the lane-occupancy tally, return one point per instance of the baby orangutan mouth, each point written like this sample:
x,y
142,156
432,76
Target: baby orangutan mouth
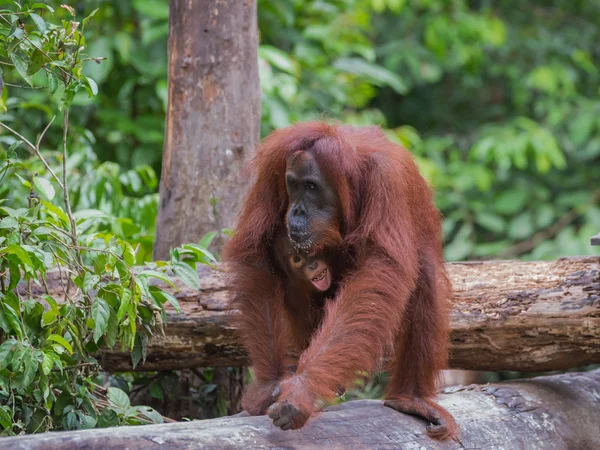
x,y
322,280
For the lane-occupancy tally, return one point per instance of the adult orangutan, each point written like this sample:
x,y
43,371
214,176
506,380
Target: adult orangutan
x,y
358,199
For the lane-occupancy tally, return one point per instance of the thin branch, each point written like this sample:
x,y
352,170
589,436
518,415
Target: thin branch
x,y
78,258
66,190
39,140
36,148
77,366
23,86
20,136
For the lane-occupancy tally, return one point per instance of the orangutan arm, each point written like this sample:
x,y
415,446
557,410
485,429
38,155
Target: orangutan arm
x,y
262,328
358,326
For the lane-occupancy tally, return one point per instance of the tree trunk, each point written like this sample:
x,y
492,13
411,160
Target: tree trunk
x,y
213,118
545,413
507,315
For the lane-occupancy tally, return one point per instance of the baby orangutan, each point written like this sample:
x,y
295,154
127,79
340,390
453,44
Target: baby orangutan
x,y
309,281
311,272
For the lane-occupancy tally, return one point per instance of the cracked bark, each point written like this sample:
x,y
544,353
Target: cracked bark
x,y
507,315
545,413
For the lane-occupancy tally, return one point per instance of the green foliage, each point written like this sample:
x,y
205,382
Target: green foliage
x,y
493,99
48,337
507,127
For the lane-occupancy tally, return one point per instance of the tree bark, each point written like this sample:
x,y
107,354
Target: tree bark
x,y
507,315
213,118
545,413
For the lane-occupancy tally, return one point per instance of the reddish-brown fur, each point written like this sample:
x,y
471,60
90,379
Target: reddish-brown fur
x,y
391,289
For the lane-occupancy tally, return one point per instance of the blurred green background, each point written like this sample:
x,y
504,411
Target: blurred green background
x,y
499,102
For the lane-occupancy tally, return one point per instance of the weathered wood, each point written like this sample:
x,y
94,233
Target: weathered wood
x,y
507,315
596,239
213,118
545,413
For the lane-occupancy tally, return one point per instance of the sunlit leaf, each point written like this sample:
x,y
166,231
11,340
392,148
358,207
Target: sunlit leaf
x,y
61,341
101,315
118,398
186,274
39,22
44,188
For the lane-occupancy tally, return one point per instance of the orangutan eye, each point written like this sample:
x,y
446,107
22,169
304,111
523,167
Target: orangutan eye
x,y
296,259
310,185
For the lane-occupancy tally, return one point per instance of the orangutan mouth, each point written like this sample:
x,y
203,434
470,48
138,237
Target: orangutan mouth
x,y
322,280
320,276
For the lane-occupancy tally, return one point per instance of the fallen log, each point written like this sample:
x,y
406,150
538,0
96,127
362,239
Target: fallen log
x,y
546,413
507,315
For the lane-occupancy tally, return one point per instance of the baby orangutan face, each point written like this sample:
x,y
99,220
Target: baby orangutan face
x,y
312,268
303,267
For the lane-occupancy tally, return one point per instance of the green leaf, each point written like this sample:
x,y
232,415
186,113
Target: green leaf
x,y
544,216
112,330
36,62
90,281
44,188
15,274
207,239
581,127
8,223
91,86
118,398
150,413
17,358
139,349
87,422
490,221
51,302
156,390
511,201
123,307
12,317
13,148
48,318
108,418
186,274
158,275
52,82
42,6
521,226
374,73
67,98
201,252
21,66
279,59
18,251
57,212
462,244
6,415
162,296
4,323
61,341
47,364
6,350
85,21
39,22
31,366
101,315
